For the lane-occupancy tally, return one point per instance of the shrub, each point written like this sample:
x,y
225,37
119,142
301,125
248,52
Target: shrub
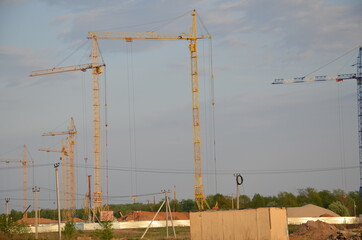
x,y
106,233
8,226
69,230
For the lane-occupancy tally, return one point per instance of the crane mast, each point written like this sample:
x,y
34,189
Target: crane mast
x,y
24,163
96,70
98,198
339,78
192,38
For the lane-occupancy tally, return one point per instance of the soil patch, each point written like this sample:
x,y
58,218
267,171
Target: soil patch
x,y
315,230
31,221
148,216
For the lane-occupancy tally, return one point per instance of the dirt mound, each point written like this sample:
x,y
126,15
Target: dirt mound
x,y
78,220
31,221
309,210
314,231
147,216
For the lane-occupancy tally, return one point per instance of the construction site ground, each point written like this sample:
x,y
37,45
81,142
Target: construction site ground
x,y
309,231
312,230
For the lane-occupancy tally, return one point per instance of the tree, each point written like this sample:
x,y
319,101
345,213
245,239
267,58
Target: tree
x,y
222,201
309,196
339,208
187,205
355,197
286,199
258,201
15,215
244,201
327,198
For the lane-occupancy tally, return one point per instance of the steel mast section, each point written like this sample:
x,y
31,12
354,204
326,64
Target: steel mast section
x,y
68,173
97,69
23,162
340,78
192,37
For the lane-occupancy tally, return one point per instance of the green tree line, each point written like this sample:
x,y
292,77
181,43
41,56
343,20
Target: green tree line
x,y
344,204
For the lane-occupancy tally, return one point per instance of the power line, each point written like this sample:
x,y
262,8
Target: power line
x,y
218,172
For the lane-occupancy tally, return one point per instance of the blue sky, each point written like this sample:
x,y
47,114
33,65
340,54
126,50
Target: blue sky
x,y
260,127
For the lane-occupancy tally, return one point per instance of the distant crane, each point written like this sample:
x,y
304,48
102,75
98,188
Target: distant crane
x,y
192,37
64,153
339,78
97,69
24,162
68,173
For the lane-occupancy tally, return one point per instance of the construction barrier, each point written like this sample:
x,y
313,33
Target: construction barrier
x,y
256,224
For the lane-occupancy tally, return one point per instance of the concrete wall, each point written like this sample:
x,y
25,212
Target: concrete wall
x,y
330,220
249,224
53,227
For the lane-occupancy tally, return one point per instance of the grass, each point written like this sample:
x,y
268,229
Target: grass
x,y
183,233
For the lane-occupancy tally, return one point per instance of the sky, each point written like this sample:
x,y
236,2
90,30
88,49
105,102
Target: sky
x,y
281,138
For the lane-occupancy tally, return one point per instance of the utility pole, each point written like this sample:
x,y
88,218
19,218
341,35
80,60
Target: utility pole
x,y
239,181
7,209
58,201
174,198
36,190
89,198
168,212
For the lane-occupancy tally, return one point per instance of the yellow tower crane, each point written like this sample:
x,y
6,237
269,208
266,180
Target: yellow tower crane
x,y
64,153
68,173
24,162
97,69
192,37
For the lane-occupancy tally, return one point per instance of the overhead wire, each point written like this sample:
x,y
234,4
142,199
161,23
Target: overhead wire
x,y
219,172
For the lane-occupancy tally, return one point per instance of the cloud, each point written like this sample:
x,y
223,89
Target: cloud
x,y
306,26
20,62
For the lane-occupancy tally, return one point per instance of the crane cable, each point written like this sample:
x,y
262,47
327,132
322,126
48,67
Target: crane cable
x,y
212,93
106,125
353,49
131,117
341,139
83,43
341,132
